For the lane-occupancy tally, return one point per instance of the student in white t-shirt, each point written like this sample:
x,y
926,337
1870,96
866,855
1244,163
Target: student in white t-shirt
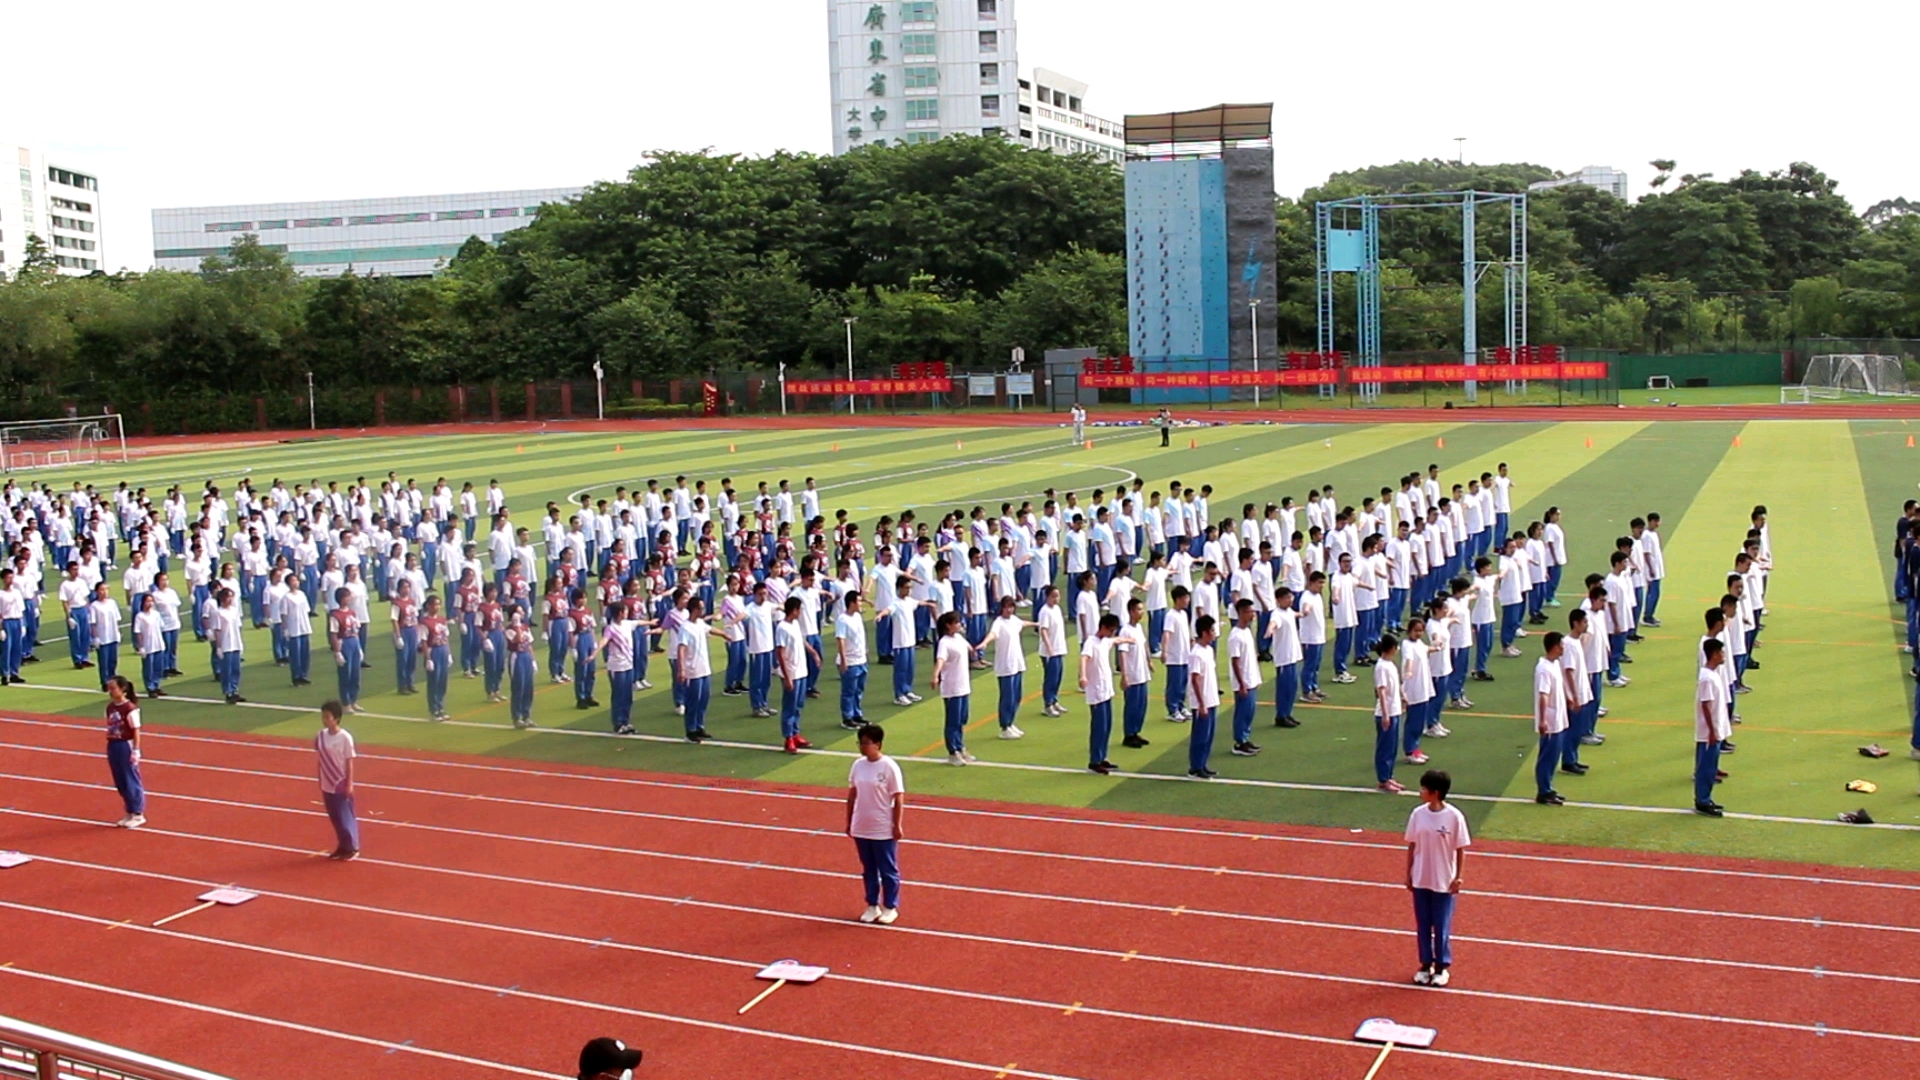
x,y
1389,705
876,801
850,657
1052,625
1549,716
953,681
1416,687
1136,671
1176,645
1096,681
1009,662
1437,840
1204,679
335,749
1710,726
1243,663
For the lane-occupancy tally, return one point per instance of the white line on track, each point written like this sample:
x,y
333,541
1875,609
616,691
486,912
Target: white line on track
x,y
1195,912
720,788
1051,1006
983,939
1270,875
285,1025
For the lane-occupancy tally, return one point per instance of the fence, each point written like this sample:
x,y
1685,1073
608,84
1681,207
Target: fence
x,y
29,1050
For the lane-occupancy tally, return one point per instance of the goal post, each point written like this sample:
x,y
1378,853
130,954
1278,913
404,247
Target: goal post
x,y
69,441
1838,375
1794,395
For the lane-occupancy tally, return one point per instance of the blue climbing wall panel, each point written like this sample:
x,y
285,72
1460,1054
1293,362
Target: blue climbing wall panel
x,y
1177,269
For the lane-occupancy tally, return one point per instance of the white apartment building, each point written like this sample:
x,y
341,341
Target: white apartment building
x,y
912,71
58,204
1605,177
1053,117
409,236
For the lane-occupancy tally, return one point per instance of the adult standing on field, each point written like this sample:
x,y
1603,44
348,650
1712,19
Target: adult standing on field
x,y
1437,840
334,747
123,750
1164,421
876,800
1079,423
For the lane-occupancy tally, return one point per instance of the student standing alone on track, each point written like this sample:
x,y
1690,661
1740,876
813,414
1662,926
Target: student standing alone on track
x,y
876,799
334,746
1436,844
123,750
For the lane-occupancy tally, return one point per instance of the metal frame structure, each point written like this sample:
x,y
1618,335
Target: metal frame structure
x,y
31,1052
1513,269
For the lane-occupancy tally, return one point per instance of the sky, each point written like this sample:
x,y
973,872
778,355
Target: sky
x,y
205,102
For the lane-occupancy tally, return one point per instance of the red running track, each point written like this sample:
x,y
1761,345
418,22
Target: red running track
x,y
506,912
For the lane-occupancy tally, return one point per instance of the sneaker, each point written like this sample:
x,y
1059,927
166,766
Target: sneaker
x,y
901,701
1103,768
956,759
1914,753
872,914
1440,977
1133,742
1556,603
1521,632
1422,977
679,710
1439,731
791,744
623,729
1601,711
1481,676
970,759
1011,732
1655,623
1344,677
1511,650
733,691
1550,798
887,916
1241,749
643,685
1393,787
915,698
1620,682
122,823
699,735
1417,758
851,723
1576,769
1179,718
349,856
1592,740
1742,688
800,743
1202,774
1285,722
134,821
1709,809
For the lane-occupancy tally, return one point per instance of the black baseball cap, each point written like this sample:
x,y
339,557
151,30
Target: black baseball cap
x,y
605,1055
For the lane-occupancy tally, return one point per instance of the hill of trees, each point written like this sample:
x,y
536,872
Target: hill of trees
x,y
955,250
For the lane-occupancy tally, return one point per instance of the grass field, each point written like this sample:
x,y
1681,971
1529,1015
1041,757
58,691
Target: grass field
x,y
1832,677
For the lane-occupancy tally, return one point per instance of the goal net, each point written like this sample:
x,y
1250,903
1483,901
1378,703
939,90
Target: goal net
x,y
1840,375
75,440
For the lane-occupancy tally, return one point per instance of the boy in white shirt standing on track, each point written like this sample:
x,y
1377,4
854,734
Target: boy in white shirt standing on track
x,y
1388,707
1437,840
334,746
1549,716
876,801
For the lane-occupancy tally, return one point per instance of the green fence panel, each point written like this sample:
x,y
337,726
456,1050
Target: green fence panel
x,y
1718,369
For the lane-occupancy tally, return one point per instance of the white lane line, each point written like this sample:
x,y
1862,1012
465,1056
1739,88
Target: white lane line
x,y
1050,1006
722,787
1270,875
1058,898
984,939
1060,770
285,1025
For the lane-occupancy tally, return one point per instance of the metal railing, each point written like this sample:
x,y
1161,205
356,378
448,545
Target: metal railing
x,y
29,1050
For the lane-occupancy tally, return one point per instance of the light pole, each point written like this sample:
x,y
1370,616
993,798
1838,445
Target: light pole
x,y
783,388
599,390
850,320
1253,320
313,416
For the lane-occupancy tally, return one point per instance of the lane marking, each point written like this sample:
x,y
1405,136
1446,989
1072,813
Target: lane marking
x,y
718,787
184,914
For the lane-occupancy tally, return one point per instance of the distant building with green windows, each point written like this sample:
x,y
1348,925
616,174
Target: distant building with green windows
x,y
409,236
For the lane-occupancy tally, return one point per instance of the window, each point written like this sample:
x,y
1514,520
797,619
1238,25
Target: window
x,y
994,132
459,215
504,211
387,219
69,204
922,78
71,179
76,224
923,109
1060,99
229,226
989,9
990,105
917,11
279,224
989,74
989,41
1043,93
917,44
915,138
26,178
72,243
318,222
1073,103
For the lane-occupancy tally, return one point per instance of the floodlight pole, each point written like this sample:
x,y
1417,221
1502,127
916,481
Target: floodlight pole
x,y
313,416
1253,320
599,390
850,320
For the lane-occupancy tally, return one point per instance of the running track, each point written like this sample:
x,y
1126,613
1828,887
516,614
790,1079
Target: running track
x,y
505,912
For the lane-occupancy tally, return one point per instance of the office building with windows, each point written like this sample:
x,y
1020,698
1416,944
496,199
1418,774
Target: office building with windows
x,y
400,237
1053,117
912,71
1605,177
58,204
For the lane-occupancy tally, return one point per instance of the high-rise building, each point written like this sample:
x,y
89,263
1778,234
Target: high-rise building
x,y
912,71
1054,117
58,204
1605,177
399,237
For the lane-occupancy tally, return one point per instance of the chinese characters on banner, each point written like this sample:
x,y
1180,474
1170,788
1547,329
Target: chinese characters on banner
x,y
869,387
709,399
1419,373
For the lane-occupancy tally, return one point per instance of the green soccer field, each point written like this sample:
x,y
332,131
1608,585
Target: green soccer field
x,y
1831,678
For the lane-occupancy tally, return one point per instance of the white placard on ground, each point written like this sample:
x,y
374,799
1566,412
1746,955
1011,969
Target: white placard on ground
x,y
1381,1030
792,971
11,859
229,897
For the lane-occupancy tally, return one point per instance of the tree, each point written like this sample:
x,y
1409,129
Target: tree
x,y
1809,230
1073,300
1704,233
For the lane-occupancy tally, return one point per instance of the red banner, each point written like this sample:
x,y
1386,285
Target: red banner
x,y
709,399
1480,372
1204,380
873,387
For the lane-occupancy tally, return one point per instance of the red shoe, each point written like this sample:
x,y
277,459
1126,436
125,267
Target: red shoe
x,y
800,743
793,744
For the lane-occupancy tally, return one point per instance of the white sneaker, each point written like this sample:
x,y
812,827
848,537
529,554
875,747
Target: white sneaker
x,y
643,685
872,914
1440,978
1522,632
915,698
970,758
1344,677
1011,732
1422,977
1602,711
1438,731
1617,683
679,710
1511,650
903,702
956,759
122,823
135,821
887,915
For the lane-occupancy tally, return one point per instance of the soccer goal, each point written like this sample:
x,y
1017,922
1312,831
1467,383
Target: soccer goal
x,y
75,440
1838,375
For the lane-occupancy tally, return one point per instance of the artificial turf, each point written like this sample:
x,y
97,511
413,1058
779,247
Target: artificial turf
x,y
1831,678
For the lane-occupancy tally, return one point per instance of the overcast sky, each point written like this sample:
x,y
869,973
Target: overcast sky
x,y
203,102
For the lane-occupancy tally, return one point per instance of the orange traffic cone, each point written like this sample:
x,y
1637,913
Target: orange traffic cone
x,y
519,449
836,448
616,448
1589,442
958,445
1440,443
1193,444
1089,444
1736,440
729,448
1909,440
